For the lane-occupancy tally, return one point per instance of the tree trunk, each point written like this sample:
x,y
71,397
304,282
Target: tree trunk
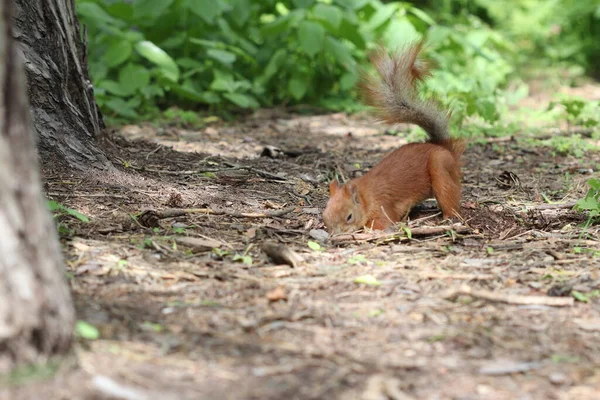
x,y
65,116
36,314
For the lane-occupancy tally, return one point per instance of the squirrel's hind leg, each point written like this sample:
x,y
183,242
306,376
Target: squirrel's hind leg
x,y
444,171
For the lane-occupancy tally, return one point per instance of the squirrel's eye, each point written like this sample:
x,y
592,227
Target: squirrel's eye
x,y
349,219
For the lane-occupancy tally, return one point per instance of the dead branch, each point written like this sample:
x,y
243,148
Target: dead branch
x,y
149,218
459,276
418,231
509,298
557,206
230,167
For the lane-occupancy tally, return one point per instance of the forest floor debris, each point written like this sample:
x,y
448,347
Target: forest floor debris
x,y
207,273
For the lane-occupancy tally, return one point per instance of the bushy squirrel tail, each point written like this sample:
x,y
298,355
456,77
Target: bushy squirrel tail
x,y
392,91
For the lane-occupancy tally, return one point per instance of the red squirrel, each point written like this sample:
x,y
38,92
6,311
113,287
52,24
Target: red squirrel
x,y
411,173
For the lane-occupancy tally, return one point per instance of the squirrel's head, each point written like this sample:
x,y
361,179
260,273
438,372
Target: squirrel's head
x,y
344,212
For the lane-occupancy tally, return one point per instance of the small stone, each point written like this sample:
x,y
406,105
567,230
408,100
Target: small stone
x,y
319,234
548,259
557,378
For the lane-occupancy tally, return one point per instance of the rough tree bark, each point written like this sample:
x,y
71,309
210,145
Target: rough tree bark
x,y
36,314
65,115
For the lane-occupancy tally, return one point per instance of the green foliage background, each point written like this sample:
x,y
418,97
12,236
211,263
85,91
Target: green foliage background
x,y
230,55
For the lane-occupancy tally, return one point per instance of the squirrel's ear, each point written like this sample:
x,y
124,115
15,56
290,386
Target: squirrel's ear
x,y
333,187
353,192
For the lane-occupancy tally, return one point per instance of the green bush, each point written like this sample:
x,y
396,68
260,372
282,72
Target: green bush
x,y
147,55
548,31
591,201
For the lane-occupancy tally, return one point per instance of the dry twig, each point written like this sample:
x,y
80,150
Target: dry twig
x,y
149,218
556,206
509,298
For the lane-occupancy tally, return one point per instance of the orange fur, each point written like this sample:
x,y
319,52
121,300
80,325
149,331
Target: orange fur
x,y
410,174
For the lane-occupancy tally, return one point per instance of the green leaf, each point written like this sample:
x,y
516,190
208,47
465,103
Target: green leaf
x,y
76,214
242,100
340,52
117,53
303,3
594,183
121,107
487,110
98,71
133,77
159,57
382,15
55,206
297,87
357,259
311,36
86,330
244,259
241,11
93,12
277,26
422,15
348,81
150,9
222,56
399,33
367,280
580,296
587,203
189,63
208,10
273,66
351,32
223,82
174,41
330,14
152,326
123,11
353,4
115,88
313,245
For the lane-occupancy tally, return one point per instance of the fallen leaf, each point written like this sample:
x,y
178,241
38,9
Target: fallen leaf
x,y
314,245
470,204
367,280
251,233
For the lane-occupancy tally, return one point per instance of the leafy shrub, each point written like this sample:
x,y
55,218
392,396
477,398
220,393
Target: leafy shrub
x,y
548,31
591,202
232,54
579,112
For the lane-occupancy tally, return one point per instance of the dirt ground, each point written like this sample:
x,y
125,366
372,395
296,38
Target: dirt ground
x,y
502,306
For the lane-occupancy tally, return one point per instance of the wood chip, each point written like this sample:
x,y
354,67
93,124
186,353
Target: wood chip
x,y
281,254
198,244
277,294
